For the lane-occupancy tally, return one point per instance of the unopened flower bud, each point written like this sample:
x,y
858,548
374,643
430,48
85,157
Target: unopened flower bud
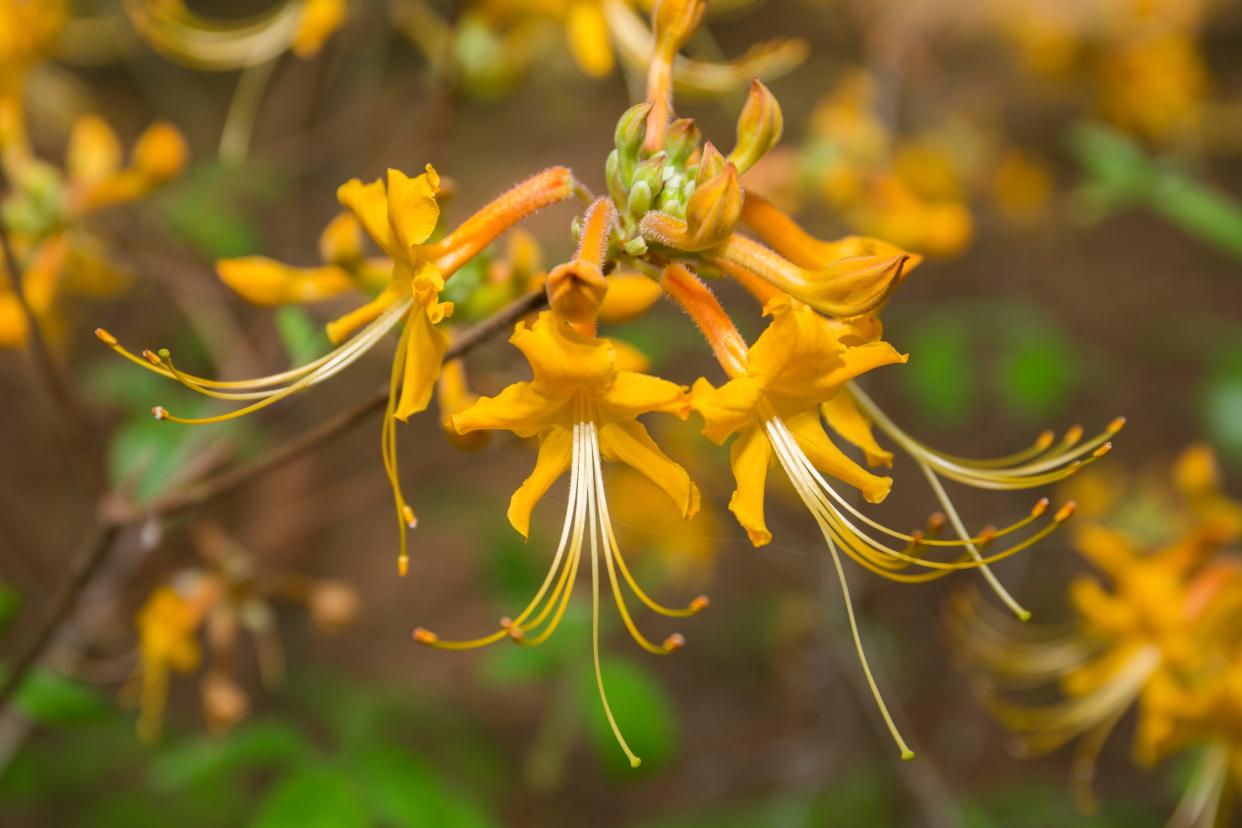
x,y
575,290
758,129
639,201
617,188
711,164
683,139
333,605
631,130
675,22
713,211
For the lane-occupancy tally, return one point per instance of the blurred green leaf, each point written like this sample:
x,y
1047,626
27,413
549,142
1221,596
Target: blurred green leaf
x,y
643,710
257,744
10,602
318,797
1220,404
1039,805
214,207
304,339
939,378
52,699
1035,371
401,790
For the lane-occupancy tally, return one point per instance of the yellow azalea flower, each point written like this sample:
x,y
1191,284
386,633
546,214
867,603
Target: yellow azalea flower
x,y
399,215
583,410
27,32
1155,638
167,627
794,366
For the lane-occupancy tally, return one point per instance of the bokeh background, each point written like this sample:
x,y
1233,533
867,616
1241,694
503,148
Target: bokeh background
x,y
1085,261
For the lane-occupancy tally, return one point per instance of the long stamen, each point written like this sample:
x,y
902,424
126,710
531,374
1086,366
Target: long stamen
x,y
599,674
802,485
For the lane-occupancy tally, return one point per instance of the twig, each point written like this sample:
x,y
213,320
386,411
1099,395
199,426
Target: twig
x,y
72,422
117,515
83,569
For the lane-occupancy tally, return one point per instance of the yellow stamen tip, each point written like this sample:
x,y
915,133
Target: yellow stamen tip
x,y
403,565
1023,614
1066,512
635,761
699,604
1074,434
151,357
935,522
105,337
159,412
411,520
425,636
1040,507
1102,450
1117,425
986,536
506,622
1045,439
516,634
674,642
907,755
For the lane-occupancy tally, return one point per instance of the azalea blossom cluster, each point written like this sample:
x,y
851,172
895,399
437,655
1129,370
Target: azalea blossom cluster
x,y
1162,637
675,217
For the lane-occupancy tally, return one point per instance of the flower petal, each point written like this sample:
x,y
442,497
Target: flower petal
x,y
629,443
829,459
342,327
369,202
588,38
751,457
561,356
264,281
555,453
424,354
846,420
412,208
630,394
628,295
520,408
725,409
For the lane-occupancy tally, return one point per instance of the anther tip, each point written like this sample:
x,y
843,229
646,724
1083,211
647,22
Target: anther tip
x,y
635,761
1073,434
159,412
701,603
515,633
1102,450
1116,425
164,353
1023,614
505,622
103,336
674,642
907,755
935,521
1066,512
1044,440
150,357
411,519
425,636
403,565
1040,507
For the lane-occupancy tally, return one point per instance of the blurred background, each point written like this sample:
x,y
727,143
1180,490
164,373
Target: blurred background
x,y
1073,172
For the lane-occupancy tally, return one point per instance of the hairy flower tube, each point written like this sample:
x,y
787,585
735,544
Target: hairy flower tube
x,y
1162,639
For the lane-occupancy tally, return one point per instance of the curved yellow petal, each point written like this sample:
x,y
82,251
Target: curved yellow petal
x,y
630,394
846,420
1108,550
320,18
629,295
555,454
588,38
412,208
796,348
12,321
340,328
560,356
751,457
629,357
520,408
629,443
424,354
94,151
860,359
340,243
160,153
369,202
264,281
829,459
725,409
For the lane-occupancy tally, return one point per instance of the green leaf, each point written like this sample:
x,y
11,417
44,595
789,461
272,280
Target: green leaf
x,y
1035,370
1220,405
214,207
303,338
643,710
204,759
939,378
52,699
10,602
401,790
317,797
